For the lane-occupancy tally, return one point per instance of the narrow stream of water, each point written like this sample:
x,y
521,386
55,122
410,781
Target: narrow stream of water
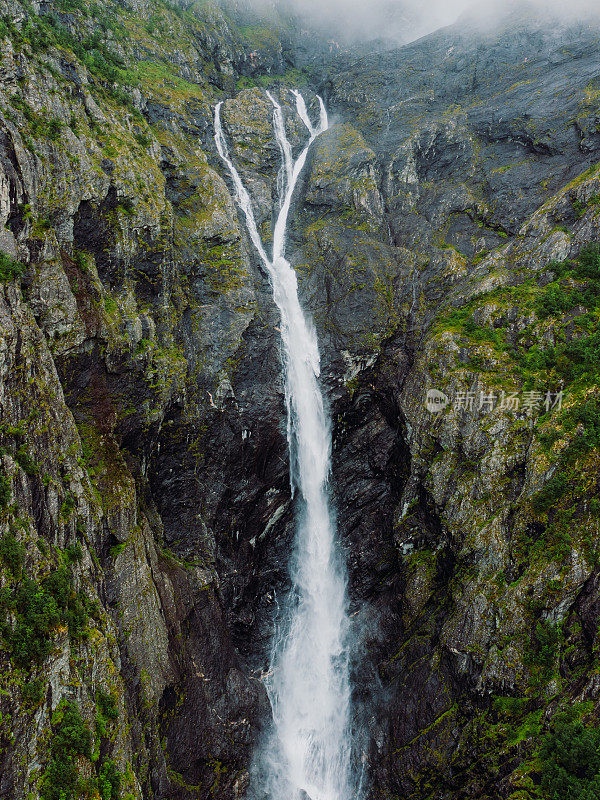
x,y
308,751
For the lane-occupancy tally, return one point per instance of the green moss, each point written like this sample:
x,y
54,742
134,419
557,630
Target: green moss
x,y
107,704
511,738
25,461
162,79
110,306
73,553
117,549
47,31
41,126
509,707
106,716
105,465
219,770
291,77
68,505
261,36
581,208
226,270
506,351
529,728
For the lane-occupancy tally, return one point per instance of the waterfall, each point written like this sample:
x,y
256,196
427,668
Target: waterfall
x,y
309,748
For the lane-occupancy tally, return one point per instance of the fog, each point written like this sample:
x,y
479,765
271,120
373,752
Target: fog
x,y
404,20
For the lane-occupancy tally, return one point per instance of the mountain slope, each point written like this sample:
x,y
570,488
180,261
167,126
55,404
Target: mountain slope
x,y
145,505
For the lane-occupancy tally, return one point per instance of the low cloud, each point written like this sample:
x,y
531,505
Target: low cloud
x,y
388,18
404,20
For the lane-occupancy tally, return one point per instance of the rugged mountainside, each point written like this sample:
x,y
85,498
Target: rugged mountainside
x,y
145,504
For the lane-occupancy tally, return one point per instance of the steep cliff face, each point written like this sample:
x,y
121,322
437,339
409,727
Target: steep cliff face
x,y
145,504
119,338
472,532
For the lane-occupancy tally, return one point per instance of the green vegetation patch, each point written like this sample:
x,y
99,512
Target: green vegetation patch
x,y
536,759
32,693
225,268
25,461
104,463
5,491
10,268
291,77
570,755
566,312
41,126
71,738
47,31
71,741
162,79
39,608
12,554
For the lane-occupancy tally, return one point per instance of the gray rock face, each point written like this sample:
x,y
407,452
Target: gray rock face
x,y
141,402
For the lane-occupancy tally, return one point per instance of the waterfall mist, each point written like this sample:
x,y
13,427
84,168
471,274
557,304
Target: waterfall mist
x,y
308,751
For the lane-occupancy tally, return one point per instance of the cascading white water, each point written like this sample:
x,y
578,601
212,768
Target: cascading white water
x,y
287,161
309,751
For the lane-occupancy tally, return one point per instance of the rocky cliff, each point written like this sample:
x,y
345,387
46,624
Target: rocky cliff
x,y
443,237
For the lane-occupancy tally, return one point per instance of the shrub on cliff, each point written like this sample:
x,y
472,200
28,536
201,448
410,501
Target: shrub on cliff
x,y
12,553
39,609
4,491
9,268
571,761
71,738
